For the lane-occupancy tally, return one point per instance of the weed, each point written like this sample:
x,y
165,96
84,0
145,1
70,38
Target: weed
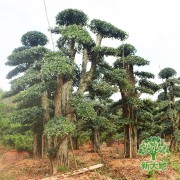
x,y
63,169
176,166
151,174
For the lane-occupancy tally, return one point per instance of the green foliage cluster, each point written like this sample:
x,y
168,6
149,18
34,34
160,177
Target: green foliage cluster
x,y
103,89
17,70
30,94
29,78
55,63
117,76
11,134
107,30
21,48
27,56
126,50
19,142
70,17
107,51
59,126
80,34
136,60
166,73
34,38
142,74
84,108
28,116
149,85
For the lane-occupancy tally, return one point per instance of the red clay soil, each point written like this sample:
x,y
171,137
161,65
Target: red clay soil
x,y
13,156
115,166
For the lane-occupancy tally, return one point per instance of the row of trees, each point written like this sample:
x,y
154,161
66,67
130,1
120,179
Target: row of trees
x,y
58,99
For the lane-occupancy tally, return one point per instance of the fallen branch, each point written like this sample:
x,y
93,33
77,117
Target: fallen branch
x,y
76,172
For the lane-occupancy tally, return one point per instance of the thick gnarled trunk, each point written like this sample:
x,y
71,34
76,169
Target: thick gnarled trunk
x,y
59,154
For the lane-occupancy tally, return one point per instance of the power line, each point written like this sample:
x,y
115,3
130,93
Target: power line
x,y
49,25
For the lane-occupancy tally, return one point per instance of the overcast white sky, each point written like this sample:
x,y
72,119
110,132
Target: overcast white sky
x,y
153,26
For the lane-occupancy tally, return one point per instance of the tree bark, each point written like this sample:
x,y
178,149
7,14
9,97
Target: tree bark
x,y
60,157
35,146
83,84
75,142
57,97
130,130
45,106
96,140
174,142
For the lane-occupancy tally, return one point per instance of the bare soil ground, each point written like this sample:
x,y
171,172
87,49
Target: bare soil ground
x,y
115,166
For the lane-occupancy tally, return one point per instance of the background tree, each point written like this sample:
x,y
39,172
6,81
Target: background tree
x,y
169,106
29,87
148,123
123,75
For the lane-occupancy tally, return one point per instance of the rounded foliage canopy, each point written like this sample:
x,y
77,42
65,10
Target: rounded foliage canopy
x,y
167,73
126,50
34,38
70,17
107,30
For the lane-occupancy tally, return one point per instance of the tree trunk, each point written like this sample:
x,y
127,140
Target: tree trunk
x,y
134,142
75,142
60,157
127,142
45,106
96,140
57,97
35,145
127,132
130,141
130,130
173,145
174,142
134,132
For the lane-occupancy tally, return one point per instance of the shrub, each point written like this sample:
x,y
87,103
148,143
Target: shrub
x,y
19,142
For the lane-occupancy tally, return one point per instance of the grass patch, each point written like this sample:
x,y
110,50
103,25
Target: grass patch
x,y
64,169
